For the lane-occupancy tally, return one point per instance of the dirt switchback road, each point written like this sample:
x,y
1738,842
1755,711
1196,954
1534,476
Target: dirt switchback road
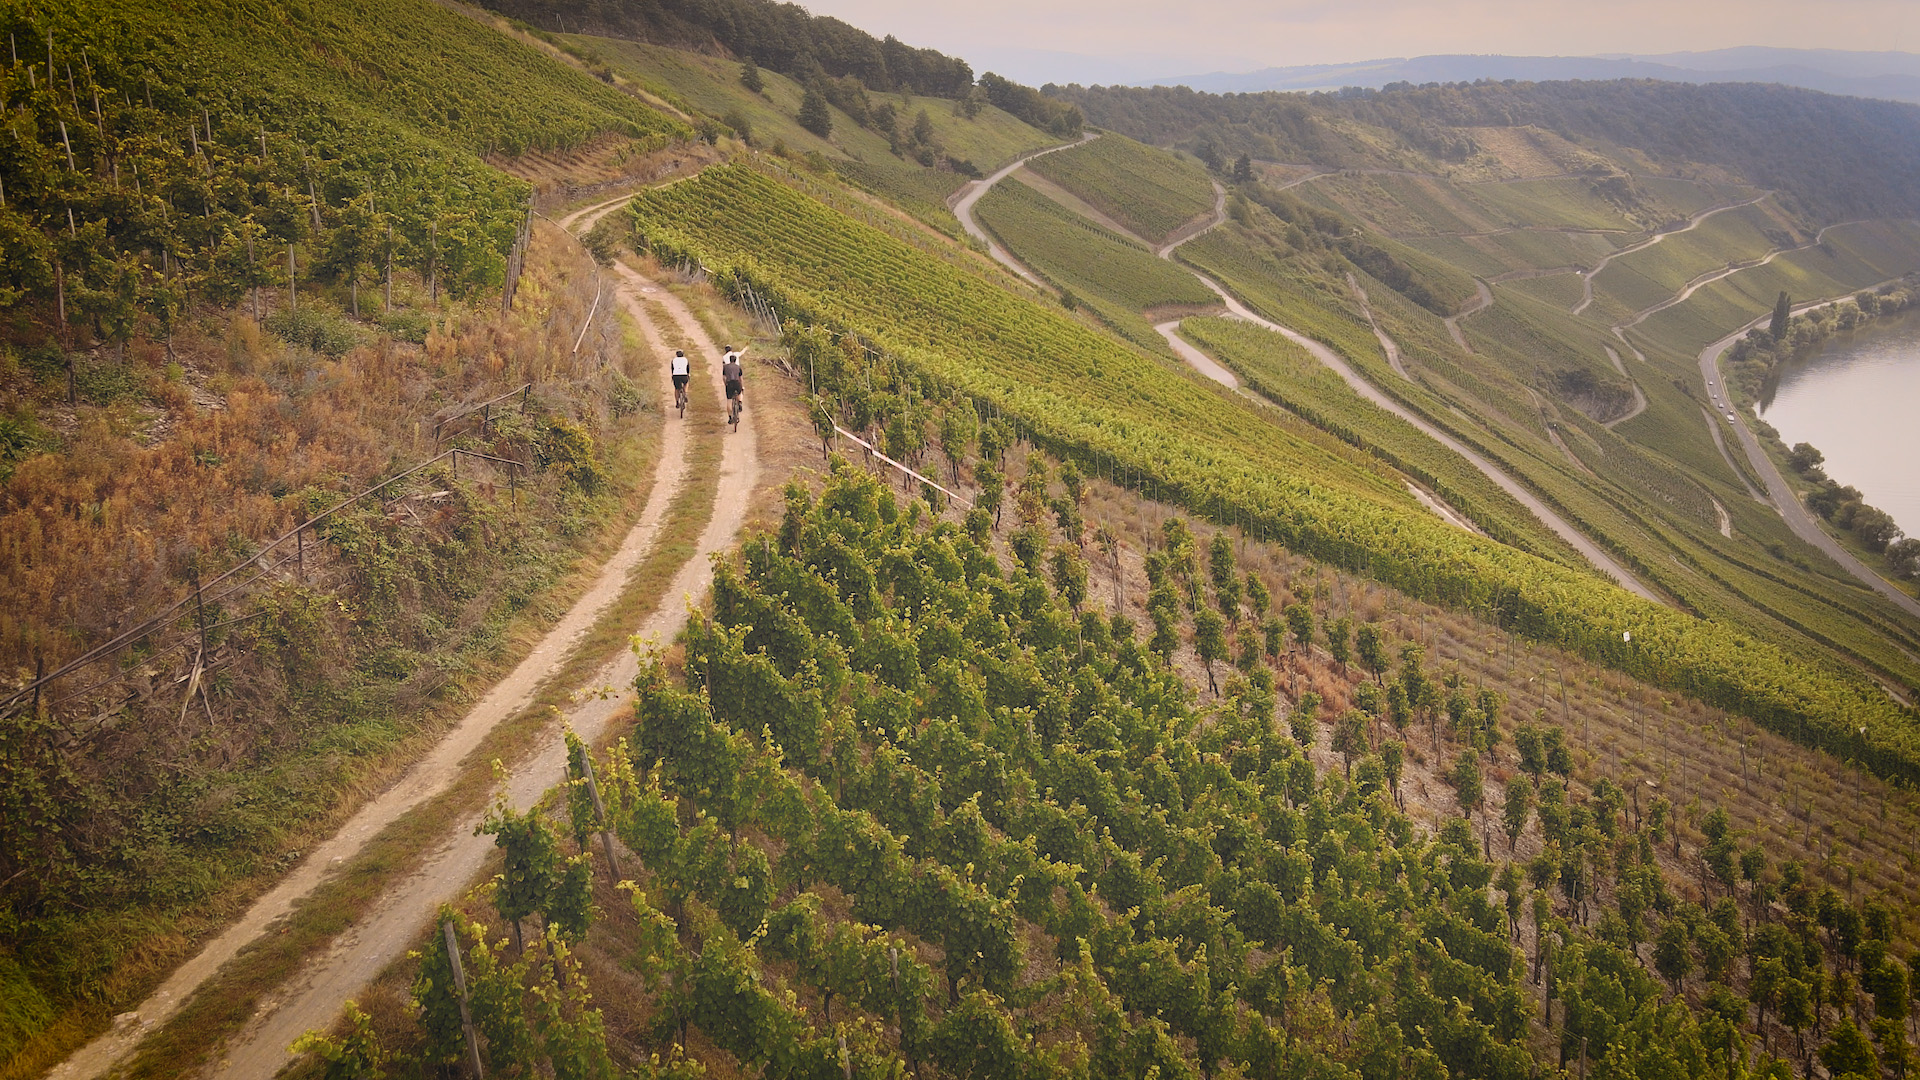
x,y
1586,296
1605,563
318,994
972,190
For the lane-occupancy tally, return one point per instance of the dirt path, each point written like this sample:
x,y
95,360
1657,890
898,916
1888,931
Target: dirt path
x,y
1639,396
1586,295
1189,232
1387,344
1722,274
380,935
396,923
1605,563
1072,202
1199,361
1726,520
1482,300
432,775
970,193
1782,494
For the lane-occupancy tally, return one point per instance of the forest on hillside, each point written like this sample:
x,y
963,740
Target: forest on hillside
x,y
783,37
1837,157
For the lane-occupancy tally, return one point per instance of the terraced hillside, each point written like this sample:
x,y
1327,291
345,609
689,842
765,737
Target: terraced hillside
x,y
1598,279
1145,424
1152,194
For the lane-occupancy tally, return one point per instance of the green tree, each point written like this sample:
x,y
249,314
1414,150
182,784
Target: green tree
x,y
1848,1053
1302,719
1517,810
1467,783
356,1056
750,76
1340,640
1300,625
814,114
569,904
1393,757
1243,170
1210,641
1350,737
1259,597
1782,314
1070,575
923,129
1673,952
1371,648
1220,568
437,998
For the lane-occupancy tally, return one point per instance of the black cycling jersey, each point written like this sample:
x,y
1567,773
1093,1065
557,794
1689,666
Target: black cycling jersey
x,y
731,372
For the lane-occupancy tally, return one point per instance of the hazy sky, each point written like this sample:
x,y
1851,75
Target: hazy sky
x,y
1034,40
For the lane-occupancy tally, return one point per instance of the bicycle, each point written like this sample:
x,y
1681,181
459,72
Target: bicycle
x,y
733,414
680,400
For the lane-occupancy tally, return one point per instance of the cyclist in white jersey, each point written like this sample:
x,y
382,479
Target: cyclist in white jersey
x,y
682,369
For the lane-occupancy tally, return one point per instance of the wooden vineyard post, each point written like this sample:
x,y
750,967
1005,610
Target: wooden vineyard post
x,y
599,811
300,552
460,985
199,605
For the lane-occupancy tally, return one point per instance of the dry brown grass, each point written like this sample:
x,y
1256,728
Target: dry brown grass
x,y
280,418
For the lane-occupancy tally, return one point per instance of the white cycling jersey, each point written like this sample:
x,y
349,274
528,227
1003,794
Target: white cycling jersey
x,y
680,366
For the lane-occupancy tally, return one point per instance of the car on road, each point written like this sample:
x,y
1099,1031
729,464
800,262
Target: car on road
x,y
1729,418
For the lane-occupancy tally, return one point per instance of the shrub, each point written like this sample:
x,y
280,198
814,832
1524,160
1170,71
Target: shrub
x,y
566,448
322,331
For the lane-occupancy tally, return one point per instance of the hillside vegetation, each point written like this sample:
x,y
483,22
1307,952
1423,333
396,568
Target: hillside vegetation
x,y
250,255
1151,194
1145,425
914,801
1549,377
1079,255
1835,157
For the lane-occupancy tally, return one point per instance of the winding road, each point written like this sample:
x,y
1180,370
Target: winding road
x,y
1639,397
972,190
394,923
1387,344
1482,300
1591,551
1782,494
1586,296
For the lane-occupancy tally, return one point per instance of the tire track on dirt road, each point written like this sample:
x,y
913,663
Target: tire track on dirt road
x,y
357,956
406,910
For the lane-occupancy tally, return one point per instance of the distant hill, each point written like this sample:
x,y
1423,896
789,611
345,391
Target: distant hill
x,y
1835,157
1891,75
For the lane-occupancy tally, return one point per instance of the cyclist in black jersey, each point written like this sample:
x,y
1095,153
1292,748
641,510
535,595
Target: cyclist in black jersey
x,y
735,378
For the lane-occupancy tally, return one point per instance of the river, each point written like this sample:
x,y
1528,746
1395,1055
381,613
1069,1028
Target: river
x,y
1857,398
